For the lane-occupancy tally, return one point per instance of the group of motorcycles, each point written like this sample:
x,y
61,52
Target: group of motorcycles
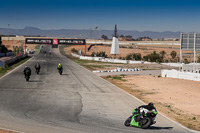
x,y
27,70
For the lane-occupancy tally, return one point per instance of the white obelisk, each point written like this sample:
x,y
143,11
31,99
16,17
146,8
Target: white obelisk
x,y
115,44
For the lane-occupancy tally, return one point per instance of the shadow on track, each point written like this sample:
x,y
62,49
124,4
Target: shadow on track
x,y
41,74
65,74
34,81
159,128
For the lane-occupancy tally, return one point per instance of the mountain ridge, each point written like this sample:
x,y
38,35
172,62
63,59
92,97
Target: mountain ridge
x,y
86,33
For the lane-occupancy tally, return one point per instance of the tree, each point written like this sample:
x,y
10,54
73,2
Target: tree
x,y
121,35
104,37
136,56
173,54
153,57
162,53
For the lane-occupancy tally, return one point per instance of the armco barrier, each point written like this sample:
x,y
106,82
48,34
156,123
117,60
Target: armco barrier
x,y
180,75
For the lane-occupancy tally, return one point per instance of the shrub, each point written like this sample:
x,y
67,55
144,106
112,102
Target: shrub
x,y
136,56
153,57
123,75
100,54
117,77
108,76
73,50
173,54
93,54
186,61
2,70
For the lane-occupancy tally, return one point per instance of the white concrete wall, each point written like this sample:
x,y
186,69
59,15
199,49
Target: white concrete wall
x,y
76,55
156,43
173,64
121,61
136,62
86,58
180,75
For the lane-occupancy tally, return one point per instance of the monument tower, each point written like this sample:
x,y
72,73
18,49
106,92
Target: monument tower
x,y
115,44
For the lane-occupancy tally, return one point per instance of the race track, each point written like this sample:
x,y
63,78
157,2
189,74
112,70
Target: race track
x,y
76,102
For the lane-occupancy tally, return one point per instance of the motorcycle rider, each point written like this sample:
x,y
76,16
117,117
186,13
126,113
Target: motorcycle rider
x,y
141,110
59,68
27,71
37,67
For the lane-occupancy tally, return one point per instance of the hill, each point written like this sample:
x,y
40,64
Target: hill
x,y
86,33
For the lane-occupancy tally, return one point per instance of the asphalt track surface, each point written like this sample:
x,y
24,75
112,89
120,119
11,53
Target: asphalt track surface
x,y
76,102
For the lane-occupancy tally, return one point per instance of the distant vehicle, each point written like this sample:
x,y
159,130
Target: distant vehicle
x,y
60,69
31,52
37,68
27,73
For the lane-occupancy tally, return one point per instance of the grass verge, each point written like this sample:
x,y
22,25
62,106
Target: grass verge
x,y
37,48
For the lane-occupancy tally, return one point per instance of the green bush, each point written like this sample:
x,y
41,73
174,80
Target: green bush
x,y
186,61
123,75
108,76
153,57
73,50
117,77
2,70
93,54
136,56
100,54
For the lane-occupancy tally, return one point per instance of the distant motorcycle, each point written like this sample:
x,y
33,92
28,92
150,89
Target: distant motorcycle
x,y
27,77
27,73
37,68
60,68
37,71
60,71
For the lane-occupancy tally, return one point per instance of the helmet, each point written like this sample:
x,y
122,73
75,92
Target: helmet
x,y
150,104
26,66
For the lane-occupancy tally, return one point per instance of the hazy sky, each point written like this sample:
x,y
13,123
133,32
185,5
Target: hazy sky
x,y
141,15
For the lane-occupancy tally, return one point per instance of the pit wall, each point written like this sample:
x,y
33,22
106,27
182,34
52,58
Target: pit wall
x,y
180,75
5,62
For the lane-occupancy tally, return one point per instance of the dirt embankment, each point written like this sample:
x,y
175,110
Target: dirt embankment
x,y
13,43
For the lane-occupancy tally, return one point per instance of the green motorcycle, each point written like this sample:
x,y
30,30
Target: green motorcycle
x,y
144,120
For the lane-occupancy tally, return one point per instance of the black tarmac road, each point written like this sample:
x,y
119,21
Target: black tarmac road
x,y
76,102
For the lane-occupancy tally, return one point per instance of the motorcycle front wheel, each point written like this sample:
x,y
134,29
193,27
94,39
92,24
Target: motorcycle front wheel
x,y
146,123
127,122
